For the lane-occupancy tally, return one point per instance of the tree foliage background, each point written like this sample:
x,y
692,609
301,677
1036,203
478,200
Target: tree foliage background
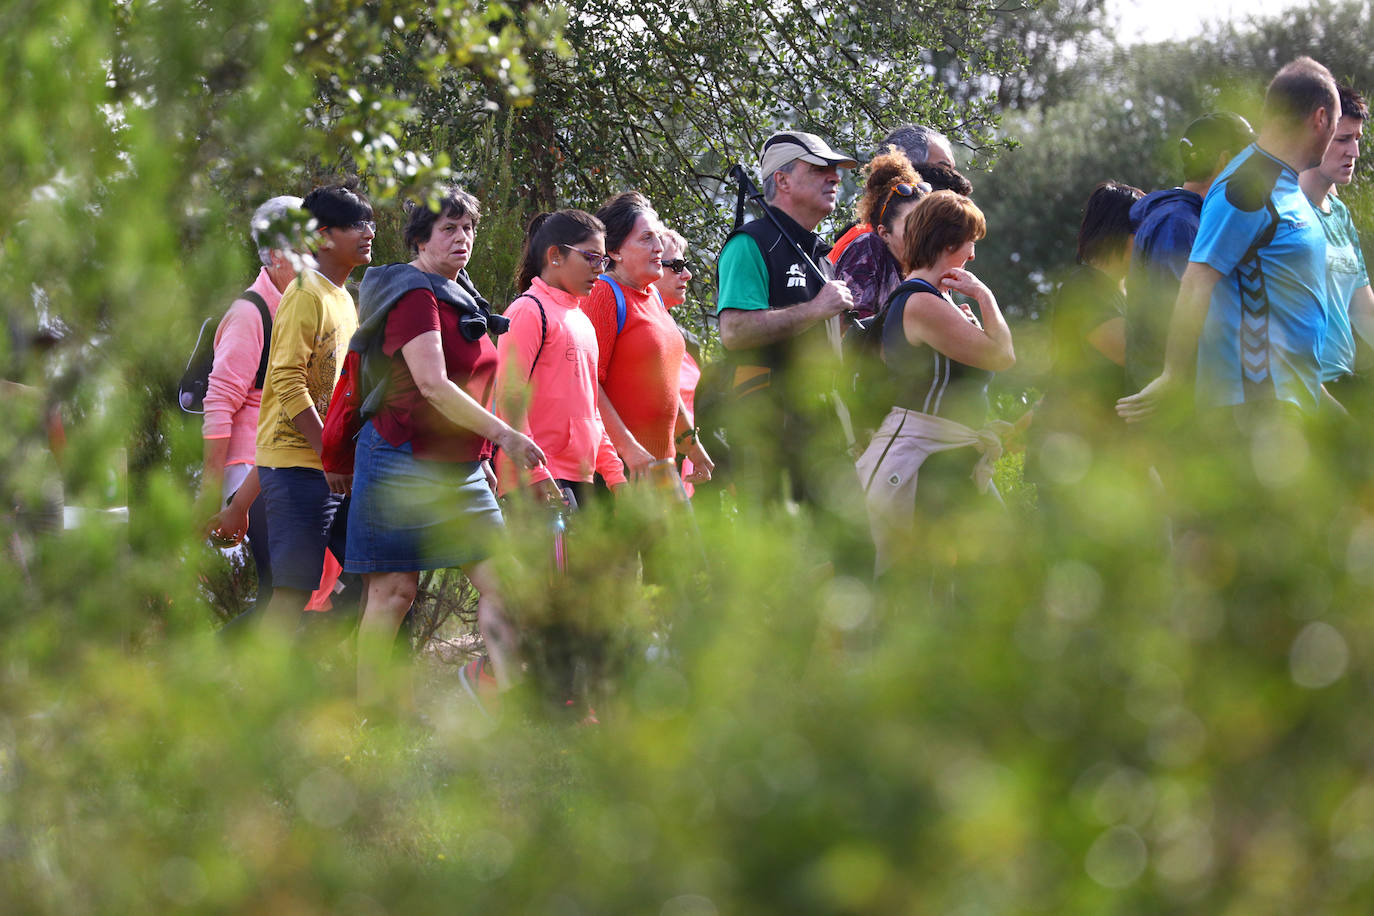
x,y
1090,722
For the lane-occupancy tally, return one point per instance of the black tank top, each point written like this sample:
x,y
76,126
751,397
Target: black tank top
x,y
927,380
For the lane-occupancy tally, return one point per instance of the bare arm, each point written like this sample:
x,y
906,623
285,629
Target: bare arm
x,y
1180,353
744,329
212,470
685,438
1362,313
424,357
930,319
1109,339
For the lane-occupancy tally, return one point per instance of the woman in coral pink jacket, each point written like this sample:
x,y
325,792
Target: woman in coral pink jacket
x,y
547,381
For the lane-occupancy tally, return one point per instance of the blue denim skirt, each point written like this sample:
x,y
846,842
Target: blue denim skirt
x,y
410,514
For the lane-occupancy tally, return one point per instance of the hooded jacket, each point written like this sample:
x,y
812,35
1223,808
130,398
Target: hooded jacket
x,y
1166,224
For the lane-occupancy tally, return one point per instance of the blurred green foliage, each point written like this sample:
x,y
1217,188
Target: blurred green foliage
x,y
1072,705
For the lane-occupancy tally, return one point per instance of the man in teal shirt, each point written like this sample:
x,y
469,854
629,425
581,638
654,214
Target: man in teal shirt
x,y
1349,303
773,308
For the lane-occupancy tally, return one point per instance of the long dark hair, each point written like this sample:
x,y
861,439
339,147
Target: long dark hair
x,y
563,228
1106,227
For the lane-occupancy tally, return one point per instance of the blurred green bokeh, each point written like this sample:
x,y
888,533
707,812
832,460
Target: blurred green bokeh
x,y
1111,697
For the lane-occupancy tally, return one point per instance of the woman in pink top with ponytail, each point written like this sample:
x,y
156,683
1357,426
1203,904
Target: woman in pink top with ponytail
x,y
547,383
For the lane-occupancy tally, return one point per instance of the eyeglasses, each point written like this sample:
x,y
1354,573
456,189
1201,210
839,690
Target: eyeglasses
x,y
920,189
366,225
595,260
677,265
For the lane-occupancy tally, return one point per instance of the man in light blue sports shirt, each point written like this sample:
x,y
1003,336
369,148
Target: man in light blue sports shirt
x,y
1350,303
1250,314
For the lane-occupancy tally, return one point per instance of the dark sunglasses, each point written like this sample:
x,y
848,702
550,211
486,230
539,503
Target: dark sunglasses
x,y
677,265
920,189
596,261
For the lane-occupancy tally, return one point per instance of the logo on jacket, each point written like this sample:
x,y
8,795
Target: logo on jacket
x,y
796,276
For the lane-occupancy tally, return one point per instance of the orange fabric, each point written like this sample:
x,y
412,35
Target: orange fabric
x,y
640,367
320,597
854,232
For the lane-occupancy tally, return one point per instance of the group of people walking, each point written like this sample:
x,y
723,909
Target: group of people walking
x,y
854,375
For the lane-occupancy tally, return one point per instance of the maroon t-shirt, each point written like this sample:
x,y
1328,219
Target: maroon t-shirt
x,y
405,415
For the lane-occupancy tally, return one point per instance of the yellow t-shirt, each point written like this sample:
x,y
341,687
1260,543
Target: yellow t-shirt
x,y
310,335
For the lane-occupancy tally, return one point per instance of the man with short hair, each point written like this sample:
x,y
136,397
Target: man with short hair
x,y
922,145
1166,224
1349,300
773,306
1251,307
307,508
234,395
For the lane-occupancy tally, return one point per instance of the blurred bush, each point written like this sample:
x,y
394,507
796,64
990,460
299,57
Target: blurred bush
x,y
1141,696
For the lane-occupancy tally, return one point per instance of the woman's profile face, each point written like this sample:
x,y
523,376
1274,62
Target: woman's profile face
x,y
672,286
960,256
572,269
895,236
639,260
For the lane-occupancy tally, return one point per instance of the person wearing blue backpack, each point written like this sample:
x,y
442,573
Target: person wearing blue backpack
x,y
640,349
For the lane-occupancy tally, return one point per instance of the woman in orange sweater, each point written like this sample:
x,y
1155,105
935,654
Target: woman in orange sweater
x,y
640,348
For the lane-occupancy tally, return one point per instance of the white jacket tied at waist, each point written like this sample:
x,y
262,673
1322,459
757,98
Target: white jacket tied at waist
x,y
889,467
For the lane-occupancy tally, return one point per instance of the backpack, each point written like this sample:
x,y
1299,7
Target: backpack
x,y
544,327
344,419
195,380
620,300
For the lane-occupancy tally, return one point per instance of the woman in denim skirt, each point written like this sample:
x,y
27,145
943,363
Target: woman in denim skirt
x,y
422,484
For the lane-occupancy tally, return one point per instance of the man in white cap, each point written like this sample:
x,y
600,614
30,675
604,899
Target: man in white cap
x,y
772,308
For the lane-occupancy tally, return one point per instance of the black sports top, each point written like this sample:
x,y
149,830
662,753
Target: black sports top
x,y
927,380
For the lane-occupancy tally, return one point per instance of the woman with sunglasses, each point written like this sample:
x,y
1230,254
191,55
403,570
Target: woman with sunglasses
x,y
672,287
639,348
869,264
547,377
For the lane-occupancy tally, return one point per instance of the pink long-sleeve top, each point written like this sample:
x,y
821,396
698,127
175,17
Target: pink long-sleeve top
x,y
231,401
562,416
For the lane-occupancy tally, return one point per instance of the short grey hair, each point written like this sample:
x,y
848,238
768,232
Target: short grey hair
x,y
263,218
770,185
667,236
915,141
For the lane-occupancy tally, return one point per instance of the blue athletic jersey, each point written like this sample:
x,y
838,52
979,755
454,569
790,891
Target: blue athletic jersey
x,y
1263,336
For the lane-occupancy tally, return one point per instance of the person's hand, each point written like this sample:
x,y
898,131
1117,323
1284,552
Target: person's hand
x,y
961,281
227,526
546,491
490,473
702,465
339,483
833,299
520,449
637,460
1143,404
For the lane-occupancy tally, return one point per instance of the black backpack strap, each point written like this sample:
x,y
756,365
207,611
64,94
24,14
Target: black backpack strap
x,y
543,330
266,316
